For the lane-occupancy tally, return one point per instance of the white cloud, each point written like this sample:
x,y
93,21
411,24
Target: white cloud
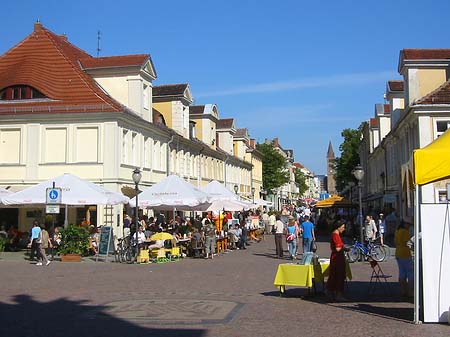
x,y
313,82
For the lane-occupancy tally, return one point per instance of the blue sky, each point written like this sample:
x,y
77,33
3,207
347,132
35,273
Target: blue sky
x,y
301,71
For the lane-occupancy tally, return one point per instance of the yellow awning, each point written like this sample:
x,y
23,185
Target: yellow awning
x,y
432,163
333,201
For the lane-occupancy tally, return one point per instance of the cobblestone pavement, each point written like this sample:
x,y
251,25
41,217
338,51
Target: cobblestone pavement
x,y
231,295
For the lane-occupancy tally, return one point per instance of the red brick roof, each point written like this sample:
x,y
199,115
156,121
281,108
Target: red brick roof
x,y
225,123
298,165
114,61
396,85
49,63
170,89
440,95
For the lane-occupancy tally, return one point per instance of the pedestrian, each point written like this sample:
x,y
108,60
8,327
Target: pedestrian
x,y
336,278
279,230
292,233
370,228
404,259
272,220
266,223
382,227
209,229
34,237
46,243
307,230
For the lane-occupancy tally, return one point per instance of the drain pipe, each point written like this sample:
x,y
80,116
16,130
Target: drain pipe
x,y
168,154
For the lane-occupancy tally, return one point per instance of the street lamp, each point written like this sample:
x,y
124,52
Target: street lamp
x,y
358,172
253,194
236,188
136,178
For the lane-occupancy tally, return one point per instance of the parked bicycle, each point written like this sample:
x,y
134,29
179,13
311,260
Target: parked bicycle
x,y
386,248
125,252
370,250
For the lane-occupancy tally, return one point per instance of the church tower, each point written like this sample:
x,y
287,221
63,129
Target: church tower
x,y
331,183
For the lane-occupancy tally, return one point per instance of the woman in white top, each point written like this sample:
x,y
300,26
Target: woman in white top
x,y
279,230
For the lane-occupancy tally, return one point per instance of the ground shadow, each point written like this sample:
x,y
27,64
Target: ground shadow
x,y
382,300
68,318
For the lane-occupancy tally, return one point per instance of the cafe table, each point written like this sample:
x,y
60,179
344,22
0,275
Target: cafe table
x,y
304,275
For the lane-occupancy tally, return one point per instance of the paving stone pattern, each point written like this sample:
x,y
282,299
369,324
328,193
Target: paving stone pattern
x,y
231,295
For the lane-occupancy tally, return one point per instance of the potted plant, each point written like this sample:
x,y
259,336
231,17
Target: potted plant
x,y
74,243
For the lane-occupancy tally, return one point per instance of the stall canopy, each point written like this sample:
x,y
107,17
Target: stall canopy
x,y
172,193
333,201
75,191
432,163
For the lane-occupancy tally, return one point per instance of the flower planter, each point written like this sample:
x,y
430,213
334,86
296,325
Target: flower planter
x,y
70,258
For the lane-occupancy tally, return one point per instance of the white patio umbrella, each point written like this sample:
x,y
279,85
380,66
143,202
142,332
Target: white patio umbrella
x,y
261,202
75,191
228,205
172,193
217,191
3,193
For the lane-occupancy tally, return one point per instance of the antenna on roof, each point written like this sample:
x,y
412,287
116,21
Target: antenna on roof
x,y
98,43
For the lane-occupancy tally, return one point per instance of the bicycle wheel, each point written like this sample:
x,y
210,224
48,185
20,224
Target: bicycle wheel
x,y
387,249
353,254
377,253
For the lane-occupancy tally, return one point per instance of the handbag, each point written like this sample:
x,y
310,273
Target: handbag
x,y
314,247
290,237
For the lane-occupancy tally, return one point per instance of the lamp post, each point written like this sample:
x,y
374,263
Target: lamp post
x,y
136,178
358,172
253,194
236,188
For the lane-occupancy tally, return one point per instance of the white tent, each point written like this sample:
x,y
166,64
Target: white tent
x,y
74,191
261,202
170,193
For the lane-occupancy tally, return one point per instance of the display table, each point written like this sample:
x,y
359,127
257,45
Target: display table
x,y
297,275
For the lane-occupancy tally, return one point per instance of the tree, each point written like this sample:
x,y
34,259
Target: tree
x,y
300,179
344,165
273,167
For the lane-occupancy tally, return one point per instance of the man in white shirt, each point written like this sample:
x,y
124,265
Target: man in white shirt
x,y
265,221
279,230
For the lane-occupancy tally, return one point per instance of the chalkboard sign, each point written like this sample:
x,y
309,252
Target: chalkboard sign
x,y
106,242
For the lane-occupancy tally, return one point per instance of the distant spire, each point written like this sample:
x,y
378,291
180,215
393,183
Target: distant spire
x,y
98,43
330,152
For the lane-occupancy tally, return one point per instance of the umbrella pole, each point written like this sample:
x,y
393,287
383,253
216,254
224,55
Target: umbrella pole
x,y
66,222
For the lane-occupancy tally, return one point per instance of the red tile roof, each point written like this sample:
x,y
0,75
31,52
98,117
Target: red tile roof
x,y
396,85
114,61
425,54
440,95
169,90
225,123
49,63
374,122
196,109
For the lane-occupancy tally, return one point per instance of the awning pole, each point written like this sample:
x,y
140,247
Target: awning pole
x,y
417,256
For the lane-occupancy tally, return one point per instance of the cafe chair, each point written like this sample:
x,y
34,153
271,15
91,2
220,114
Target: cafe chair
x,y
161,256
143,256
198,248
175,254
378,278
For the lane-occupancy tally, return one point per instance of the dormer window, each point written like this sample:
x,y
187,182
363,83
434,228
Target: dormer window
x,y
20,92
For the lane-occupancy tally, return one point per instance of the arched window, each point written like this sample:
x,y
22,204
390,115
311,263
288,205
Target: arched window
x,y
20,92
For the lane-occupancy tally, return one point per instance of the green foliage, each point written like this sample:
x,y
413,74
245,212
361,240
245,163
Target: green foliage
x,y
3,242
349,158
273,167
300,179
74,240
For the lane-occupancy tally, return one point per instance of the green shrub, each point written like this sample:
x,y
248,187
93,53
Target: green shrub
x,y
2,243
74,240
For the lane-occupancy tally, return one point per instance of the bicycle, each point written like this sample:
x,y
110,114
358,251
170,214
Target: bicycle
x,y
386,248
369,250
125,251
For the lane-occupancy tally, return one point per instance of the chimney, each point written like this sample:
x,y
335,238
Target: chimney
x,y
63,37
192,129
37,26
252,143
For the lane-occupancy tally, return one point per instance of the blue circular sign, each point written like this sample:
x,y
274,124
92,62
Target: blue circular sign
x,y
53,194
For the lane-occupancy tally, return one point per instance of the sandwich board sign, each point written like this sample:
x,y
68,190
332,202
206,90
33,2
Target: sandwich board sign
x,y
106,242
